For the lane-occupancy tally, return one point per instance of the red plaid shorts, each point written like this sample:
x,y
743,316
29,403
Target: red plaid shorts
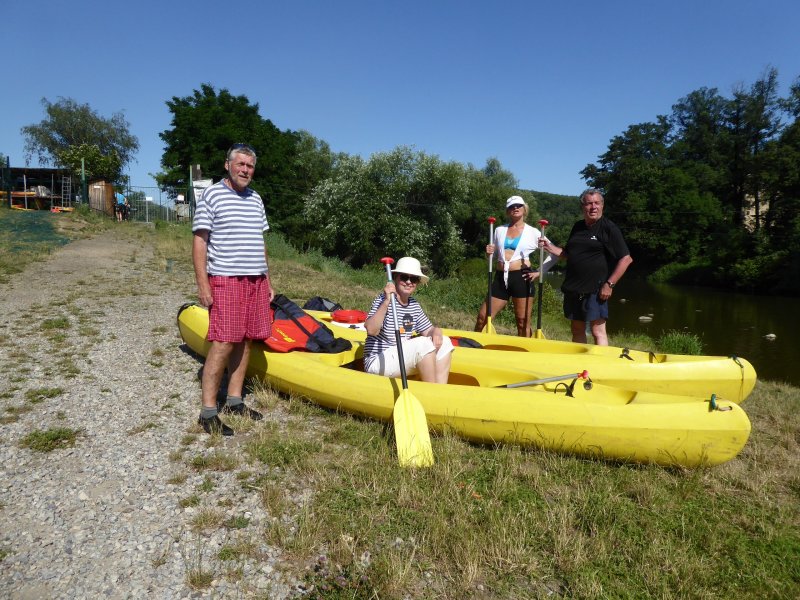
x,y
240,309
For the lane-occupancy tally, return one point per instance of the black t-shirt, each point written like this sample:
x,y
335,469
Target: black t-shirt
x,y
592,252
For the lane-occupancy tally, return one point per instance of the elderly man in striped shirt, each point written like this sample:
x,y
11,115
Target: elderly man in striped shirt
x,y
230,264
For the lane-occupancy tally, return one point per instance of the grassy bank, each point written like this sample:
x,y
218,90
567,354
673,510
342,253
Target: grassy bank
x,y
501,522
491,522
26,237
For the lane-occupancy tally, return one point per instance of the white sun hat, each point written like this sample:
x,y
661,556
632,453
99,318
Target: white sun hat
x,y
410,266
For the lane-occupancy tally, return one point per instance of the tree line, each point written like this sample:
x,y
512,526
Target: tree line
x,y
705,195
710,194
397,202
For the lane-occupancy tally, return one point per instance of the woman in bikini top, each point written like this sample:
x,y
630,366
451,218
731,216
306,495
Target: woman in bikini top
x,y
514,278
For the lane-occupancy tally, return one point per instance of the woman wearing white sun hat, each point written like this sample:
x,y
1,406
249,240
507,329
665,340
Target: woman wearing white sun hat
x,y
428,353
512,246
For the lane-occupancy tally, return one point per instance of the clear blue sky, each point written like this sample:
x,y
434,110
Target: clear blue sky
x,y
542,86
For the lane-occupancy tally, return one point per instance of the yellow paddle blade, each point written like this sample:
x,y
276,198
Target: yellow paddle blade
x,y
489,328
539,335
411,432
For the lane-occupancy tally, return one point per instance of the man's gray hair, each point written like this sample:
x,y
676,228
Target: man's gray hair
x,y
592,192
241,149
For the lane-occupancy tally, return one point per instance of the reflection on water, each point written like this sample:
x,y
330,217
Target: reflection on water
x,y
727,323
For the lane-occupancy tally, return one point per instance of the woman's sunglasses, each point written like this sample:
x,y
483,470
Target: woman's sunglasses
x,y
515,206
410,278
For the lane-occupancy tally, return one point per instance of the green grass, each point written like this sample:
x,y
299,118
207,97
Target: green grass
x,y
237,551
178,479
50,439
193,500
199,578
276,452
507,523
26,237
188,439
142,428
214,461
207,485
237,522
208,519
68,367
55,323
504,522
41,394
488,522
680,342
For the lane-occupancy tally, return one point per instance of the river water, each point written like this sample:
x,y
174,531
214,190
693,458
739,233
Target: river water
x,y
727,323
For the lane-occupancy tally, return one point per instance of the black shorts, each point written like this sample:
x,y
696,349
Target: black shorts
x,y
518,287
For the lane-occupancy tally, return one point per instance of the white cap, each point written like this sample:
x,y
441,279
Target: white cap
x,y
516,200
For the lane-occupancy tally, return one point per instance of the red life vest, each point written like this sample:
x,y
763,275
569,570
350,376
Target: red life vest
x,y
293,329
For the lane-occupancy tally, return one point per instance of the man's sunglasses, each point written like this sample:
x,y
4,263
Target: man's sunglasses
x,y
411,278
515,206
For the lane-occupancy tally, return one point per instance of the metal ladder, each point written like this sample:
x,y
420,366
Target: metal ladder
x,y
66,191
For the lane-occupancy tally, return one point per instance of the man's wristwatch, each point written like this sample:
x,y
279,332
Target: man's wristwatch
x,y
611,285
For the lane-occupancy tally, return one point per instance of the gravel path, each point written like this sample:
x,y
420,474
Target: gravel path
x,y
88,342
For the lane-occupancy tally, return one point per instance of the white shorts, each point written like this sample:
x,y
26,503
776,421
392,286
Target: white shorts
x,y
414,350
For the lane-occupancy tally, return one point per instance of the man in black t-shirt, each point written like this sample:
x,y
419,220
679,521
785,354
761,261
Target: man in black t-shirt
x,y
597,257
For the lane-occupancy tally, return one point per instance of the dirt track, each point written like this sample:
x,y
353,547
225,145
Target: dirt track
x,y
88,342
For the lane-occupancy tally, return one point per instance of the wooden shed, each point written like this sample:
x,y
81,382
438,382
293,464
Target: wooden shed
x,y
101,197
35,188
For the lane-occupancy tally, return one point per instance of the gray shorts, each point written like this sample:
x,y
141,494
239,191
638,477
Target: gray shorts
x,y
584,307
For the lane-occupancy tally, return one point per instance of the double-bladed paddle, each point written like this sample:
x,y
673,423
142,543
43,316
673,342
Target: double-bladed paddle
x,y
410,423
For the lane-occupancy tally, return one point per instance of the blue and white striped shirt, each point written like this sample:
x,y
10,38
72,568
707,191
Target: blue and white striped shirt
x,y
411,318
236,224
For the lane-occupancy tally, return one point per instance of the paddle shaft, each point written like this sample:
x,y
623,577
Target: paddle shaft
x,y
543,224
581,375
491,264
397,336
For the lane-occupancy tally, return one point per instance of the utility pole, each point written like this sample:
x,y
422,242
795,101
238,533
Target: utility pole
x,y
7,180
84,187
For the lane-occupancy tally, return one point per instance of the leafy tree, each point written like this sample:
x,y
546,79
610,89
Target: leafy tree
x,y
5,174
205,124
753,121
685,185
397,203
792,104
700,140
70,125
782,187
89,158
665,216
561,213
313,161
630,173
488,190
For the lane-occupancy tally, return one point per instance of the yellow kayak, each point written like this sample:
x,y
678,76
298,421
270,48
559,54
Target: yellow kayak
x,y
572,416
732,378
